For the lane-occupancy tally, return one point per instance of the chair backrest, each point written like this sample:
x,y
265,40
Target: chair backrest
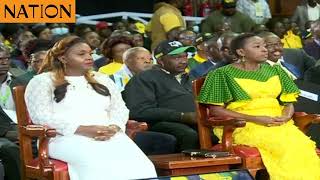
x,y
18,93
25,141
202,115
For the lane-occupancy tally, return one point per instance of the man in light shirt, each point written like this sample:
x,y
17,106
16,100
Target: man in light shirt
x,y
309,11
9,151
257,10
6,98
135,60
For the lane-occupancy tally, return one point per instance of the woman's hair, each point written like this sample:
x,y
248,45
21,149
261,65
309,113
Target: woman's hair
x,y
108,44
53,64
239,42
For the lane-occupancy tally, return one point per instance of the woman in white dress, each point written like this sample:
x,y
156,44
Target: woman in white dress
x,y
89,114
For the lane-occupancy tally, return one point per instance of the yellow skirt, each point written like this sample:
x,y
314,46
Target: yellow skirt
x,y
287,153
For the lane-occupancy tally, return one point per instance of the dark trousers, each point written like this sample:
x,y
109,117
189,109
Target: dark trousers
x,y
10,157
152,143
187,137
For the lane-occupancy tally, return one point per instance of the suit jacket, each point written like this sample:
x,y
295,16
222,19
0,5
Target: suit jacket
x,y
313,74
299,58
6,123
204,68
23,79
313,49
155,95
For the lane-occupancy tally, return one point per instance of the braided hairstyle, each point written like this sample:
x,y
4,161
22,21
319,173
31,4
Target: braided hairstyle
x,y
58,68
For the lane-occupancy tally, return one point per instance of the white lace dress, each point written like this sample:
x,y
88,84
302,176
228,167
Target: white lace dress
x,y
117,158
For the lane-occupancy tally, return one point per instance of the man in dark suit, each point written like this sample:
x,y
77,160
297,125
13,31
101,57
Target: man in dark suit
x,y
309,102
207,56
294,61
313,74
223,53
313,48
9,150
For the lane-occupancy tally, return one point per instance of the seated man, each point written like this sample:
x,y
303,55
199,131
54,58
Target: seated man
x,y
136,60
37,52
216,54
294,61
6,98
208,55
9,150
313,47
162,96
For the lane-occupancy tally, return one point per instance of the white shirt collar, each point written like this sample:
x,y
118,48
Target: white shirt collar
x,y
8,79
273,63
127,70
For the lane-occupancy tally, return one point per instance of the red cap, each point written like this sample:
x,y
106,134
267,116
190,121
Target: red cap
x,y
102,25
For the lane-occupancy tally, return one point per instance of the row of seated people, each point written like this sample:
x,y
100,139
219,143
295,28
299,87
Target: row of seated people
x,y
172,61
187,138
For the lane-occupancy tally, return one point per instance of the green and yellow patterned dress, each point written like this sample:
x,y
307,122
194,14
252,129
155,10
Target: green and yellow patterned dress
x,y
286,152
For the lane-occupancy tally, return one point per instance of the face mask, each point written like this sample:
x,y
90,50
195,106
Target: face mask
x,y
60,31
195,29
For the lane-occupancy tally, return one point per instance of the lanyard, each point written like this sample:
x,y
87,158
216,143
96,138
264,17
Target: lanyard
x,y
4,99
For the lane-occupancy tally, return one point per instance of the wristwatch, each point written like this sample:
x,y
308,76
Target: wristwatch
x,y
181,115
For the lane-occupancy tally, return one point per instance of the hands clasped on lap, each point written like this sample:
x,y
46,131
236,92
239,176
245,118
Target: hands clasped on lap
x,y
98,133
271,121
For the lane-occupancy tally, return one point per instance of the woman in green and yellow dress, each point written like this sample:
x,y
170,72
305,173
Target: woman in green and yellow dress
x,y
263,96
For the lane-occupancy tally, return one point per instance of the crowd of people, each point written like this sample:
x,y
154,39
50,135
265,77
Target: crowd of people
x,y
86,82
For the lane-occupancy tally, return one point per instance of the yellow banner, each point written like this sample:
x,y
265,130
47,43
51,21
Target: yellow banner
x,y
37,11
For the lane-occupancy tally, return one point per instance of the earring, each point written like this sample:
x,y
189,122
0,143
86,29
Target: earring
x,y
243,59
64,65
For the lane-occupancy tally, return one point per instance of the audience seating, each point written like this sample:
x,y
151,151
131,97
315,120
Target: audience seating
x,y
251,158
43,167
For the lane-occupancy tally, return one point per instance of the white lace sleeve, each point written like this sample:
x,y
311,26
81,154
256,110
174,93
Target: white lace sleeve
x,y
118,112
39,101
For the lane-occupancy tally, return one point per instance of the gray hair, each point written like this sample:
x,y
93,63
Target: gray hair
x,y
132,51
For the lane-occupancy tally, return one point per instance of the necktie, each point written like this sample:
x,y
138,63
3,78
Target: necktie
x,y
294,70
